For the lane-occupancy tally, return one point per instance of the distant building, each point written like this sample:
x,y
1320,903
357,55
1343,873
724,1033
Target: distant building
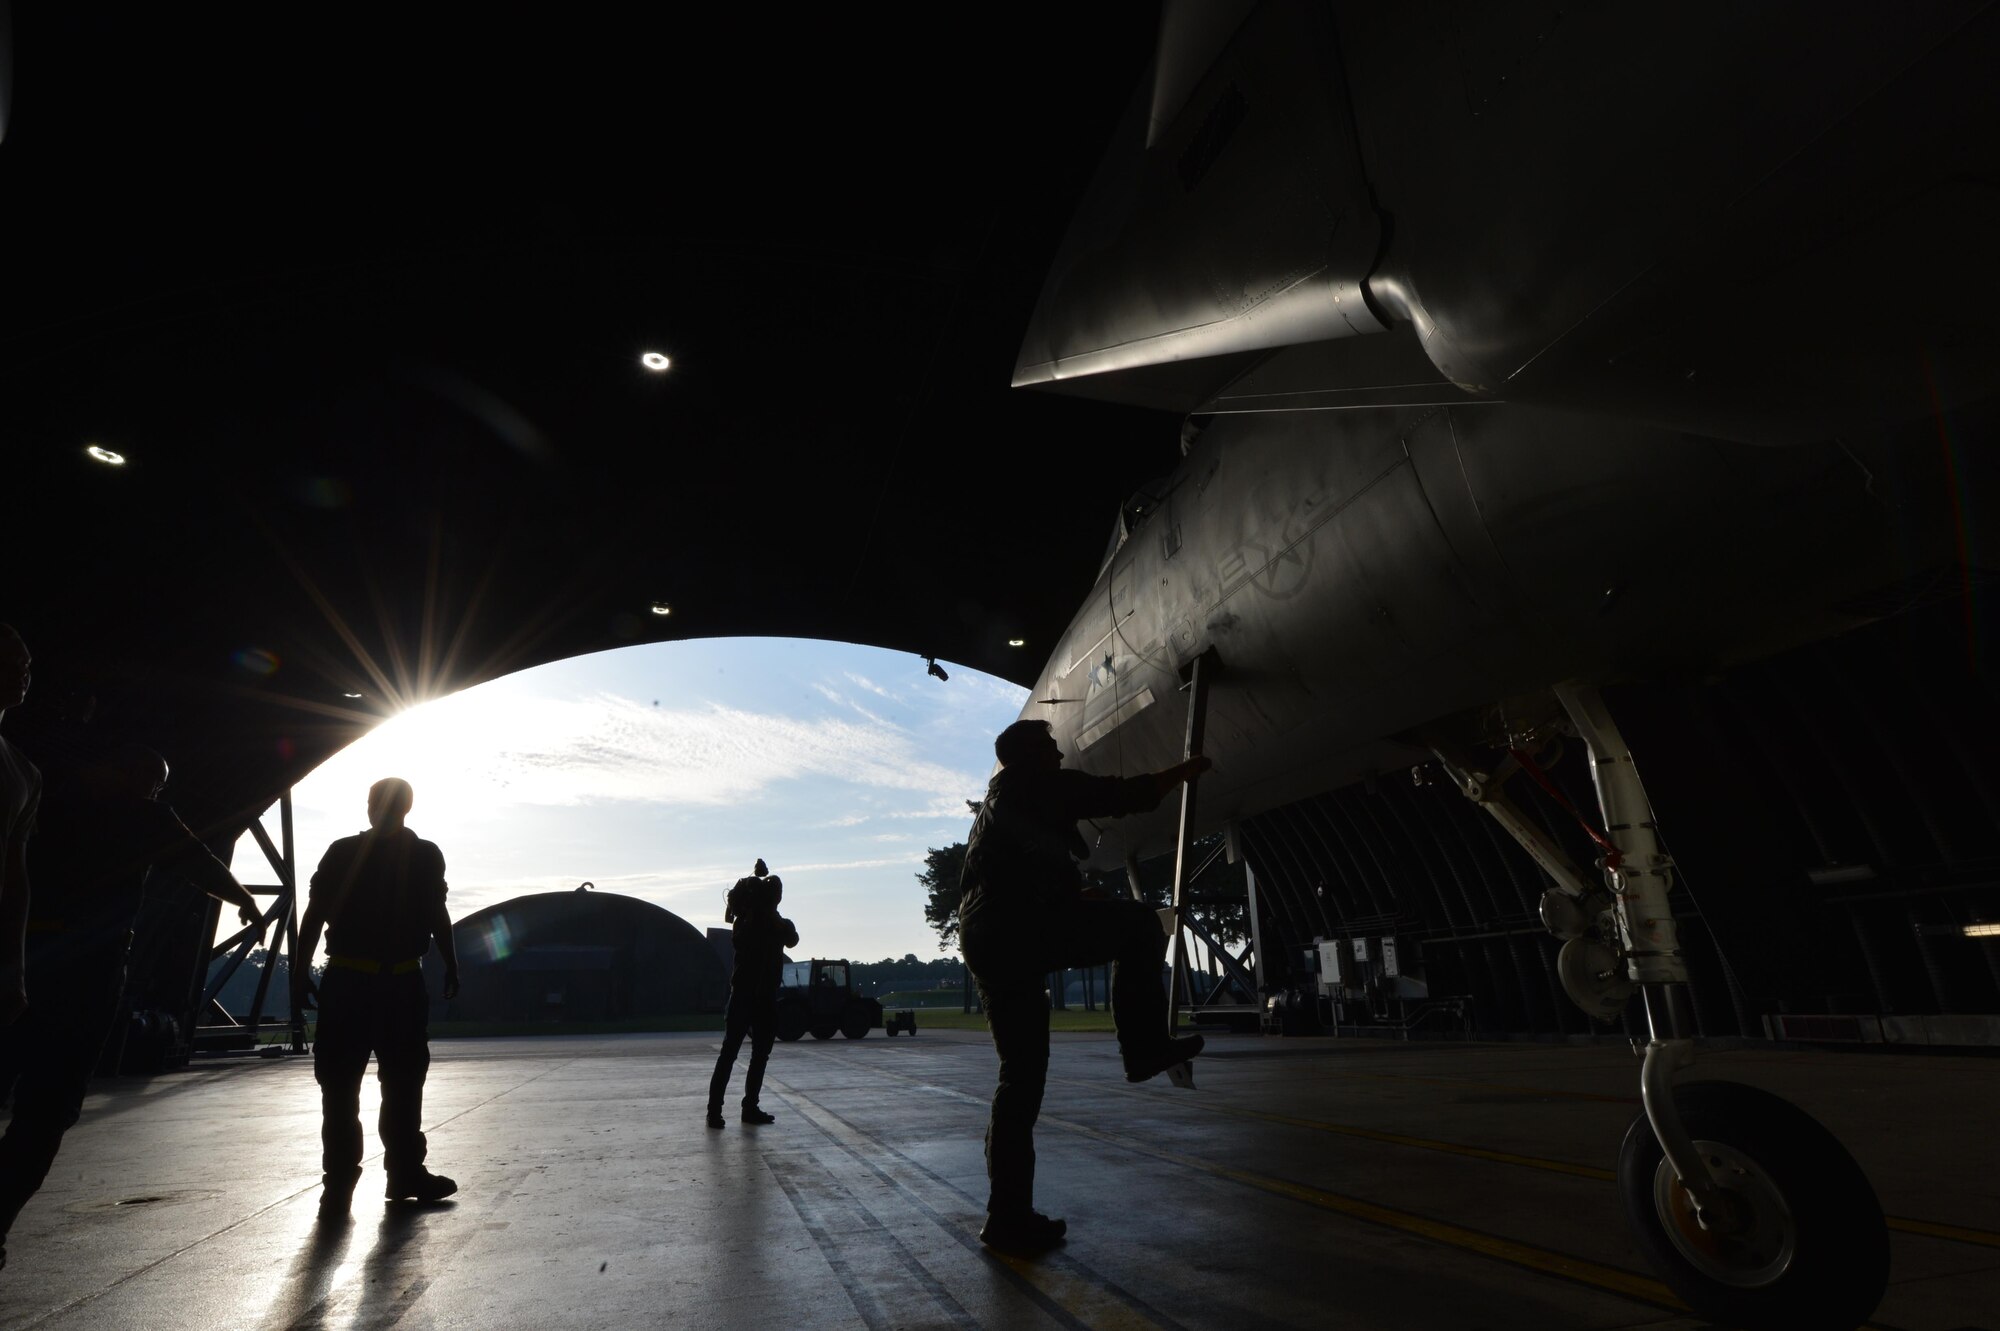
x,y
724,943
579,957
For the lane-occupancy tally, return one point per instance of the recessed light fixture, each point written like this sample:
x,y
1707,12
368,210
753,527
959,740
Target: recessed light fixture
x,y
350,695
1017,642
1982,931
106,456
662,608
656,361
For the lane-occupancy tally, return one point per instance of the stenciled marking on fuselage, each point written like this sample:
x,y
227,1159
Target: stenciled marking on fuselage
x,y
1284,574
1120,713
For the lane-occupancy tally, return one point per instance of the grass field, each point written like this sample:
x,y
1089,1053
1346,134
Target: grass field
x,y
1074,1019
934,1019
447,1030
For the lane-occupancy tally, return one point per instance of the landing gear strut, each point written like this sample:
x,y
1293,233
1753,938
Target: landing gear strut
x,y
1748,1208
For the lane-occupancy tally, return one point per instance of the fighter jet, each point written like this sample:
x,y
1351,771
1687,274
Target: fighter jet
x,y
1522,352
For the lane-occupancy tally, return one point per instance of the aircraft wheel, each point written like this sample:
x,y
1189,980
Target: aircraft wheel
x,y
1813,1250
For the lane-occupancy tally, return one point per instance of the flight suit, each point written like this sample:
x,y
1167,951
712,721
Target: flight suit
x,y
760,935
378,893
1023,915
87,867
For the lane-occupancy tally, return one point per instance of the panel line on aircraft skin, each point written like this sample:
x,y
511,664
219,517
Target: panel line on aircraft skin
x,y
1108,1304
1355,406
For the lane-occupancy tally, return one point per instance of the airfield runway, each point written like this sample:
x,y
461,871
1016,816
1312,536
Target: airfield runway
x,y
1306,1183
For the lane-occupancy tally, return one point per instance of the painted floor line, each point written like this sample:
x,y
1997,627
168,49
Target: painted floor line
x,y
1063,1286
1628,1284
1901,1224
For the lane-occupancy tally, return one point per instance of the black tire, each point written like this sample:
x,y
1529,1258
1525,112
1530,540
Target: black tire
x,y
791,1021
1821,1257
856,1025
825,1032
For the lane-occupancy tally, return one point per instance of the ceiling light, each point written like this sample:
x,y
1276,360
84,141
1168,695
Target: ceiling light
x,y
662,608
106,456
1017,642
350,695
655,361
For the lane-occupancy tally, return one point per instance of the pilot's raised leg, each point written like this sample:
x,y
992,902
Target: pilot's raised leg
x,y
1126,934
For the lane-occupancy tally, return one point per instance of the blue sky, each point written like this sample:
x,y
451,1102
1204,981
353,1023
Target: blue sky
x,y
662,771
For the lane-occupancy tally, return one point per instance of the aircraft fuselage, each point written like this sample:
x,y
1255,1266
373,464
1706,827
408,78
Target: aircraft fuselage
x,y
1360,573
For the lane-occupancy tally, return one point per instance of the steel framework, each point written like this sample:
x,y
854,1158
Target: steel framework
x,y
280,925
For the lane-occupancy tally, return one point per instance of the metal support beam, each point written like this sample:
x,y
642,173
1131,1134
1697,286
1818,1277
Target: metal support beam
x,y
280,927
1256,919
1232,968
1197,675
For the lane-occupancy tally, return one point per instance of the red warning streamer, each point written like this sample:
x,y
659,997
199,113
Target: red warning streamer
x,y
1613,856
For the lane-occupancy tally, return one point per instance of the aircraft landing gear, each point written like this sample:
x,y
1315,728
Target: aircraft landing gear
x,y
1793,1235
1748,1208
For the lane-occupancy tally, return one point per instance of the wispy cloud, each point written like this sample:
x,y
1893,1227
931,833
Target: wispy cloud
x,y
603,747
841,699
863,682
806,755
945,806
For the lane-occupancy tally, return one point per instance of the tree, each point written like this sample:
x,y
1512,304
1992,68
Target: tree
x,y
1224,917
942,871
940,878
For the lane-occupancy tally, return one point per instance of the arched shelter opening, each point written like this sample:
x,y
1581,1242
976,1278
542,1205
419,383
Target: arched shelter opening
x,y
657,774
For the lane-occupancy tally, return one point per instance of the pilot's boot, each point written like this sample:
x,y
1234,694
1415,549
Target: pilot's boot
x,y
1156,1059
752,1114
422,1186
1023,1232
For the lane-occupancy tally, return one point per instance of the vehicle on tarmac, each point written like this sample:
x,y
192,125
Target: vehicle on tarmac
x,y
818,996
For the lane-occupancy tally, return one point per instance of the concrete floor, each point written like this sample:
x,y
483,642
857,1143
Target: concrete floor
x,y
1307,1183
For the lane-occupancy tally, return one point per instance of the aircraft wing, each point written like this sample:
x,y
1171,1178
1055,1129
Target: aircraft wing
x,y
1764,222
1230,216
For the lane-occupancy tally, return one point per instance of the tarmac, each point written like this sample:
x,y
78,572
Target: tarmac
x,y
1310,1183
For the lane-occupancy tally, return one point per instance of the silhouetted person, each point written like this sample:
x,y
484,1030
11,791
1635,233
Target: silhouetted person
x,y
760,936
97,838
380,896
1024,912
20,795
